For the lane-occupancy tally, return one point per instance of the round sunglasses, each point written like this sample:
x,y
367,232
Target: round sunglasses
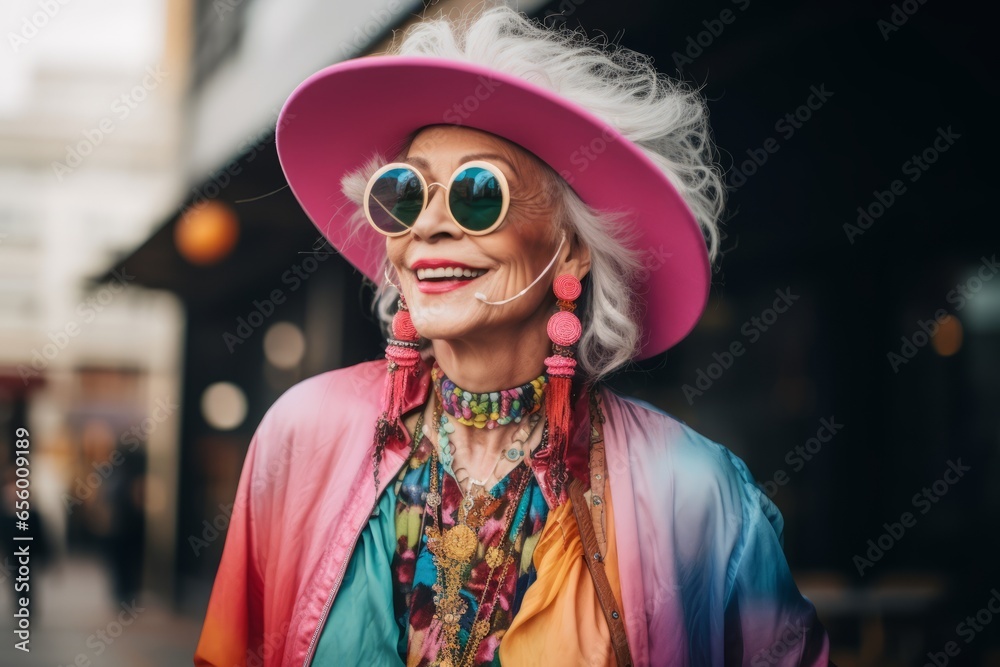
x,y
477,195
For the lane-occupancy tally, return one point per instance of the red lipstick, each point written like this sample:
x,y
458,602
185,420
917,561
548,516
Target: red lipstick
x,y
440,285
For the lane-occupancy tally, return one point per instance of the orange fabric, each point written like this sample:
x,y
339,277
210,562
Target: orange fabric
x,y
560,621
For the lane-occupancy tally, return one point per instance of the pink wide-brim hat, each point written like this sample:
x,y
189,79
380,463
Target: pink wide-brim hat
x,y
339,117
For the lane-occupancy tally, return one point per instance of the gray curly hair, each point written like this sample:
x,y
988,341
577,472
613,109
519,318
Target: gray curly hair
x,y
665,118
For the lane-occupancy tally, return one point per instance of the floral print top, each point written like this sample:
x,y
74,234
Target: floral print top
x,y
436,625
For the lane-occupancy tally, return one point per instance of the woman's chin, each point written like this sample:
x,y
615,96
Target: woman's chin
x,y
439,333
440,319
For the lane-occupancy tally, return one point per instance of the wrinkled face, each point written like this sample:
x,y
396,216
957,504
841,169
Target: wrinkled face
x,y
501,263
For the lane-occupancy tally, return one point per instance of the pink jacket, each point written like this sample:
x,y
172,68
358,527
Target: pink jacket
x,y
703,577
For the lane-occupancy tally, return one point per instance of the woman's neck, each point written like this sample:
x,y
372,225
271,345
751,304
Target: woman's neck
x,y
486,366
478,452
482,366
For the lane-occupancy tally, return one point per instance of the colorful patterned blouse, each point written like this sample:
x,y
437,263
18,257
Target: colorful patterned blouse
x,y
467,596
422,639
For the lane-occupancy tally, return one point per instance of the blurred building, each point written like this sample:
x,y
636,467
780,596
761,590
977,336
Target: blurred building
x,y
90,109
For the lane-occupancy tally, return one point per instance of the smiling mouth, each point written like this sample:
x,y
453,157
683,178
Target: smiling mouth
x,y
442,274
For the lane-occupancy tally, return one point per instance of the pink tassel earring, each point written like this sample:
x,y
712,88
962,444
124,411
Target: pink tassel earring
x,y
401,355
564,330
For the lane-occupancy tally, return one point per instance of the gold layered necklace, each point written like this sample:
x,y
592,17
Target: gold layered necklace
x,y
453,549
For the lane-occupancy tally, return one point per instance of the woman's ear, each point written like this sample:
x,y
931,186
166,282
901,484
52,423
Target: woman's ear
x,y
575,258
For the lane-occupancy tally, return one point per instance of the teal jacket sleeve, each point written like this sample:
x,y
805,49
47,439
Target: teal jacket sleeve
x,y
768,621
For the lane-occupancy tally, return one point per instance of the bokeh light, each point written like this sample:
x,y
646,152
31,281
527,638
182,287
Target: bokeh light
x,y
948,339
207,233
224,406
284,345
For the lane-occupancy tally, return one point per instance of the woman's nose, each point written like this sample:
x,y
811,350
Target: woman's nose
x,y
434,221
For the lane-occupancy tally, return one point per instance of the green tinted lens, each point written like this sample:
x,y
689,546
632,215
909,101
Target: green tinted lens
x,y
476,198
395,200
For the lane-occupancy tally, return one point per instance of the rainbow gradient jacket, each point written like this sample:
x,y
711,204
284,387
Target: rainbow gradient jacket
x,y
703,577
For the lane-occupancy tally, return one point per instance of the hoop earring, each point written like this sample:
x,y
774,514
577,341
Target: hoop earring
x,y
564,331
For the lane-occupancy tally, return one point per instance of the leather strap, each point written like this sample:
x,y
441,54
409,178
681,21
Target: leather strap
x,y
593,552
595,562
598,473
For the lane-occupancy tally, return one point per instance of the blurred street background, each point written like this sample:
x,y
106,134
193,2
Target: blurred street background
x,y
160,288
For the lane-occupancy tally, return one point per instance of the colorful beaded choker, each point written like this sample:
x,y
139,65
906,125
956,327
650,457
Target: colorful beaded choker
x,y
488,409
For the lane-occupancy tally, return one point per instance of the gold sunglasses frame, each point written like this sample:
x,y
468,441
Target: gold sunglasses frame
x,y
490,167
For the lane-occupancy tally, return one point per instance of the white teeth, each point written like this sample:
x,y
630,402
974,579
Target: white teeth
x,y
449,272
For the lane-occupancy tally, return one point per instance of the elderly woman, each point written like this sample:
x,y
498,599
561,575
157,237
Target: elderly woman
x,y
535,209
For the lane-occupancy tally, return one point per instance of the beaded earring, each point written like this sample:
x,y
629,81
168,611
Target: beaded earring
x,y
564,330
401,355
